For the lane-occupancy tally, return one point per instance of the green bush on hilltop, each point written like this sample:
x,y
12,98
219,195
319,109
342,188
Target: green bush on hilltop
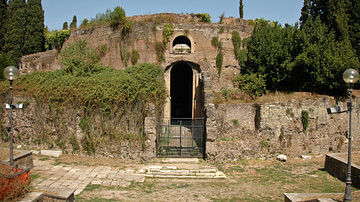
x,y
203,17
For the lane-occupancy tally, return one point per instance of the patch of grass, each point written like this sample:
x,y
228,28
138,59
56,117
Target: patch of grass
x,y
148,188
44,159
225,139
34,176
247,180
92,187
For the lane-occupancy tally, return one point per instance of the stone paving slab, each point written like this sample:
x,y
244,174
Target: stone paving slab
x,y
78,178
174,172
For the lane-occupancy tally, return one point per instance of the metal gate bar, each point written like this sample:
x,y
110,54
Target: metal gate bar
x,y
181,138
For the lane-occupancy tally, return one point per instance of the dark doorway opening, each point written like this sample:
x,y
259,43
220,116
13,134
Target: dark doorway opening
x,y
181,84
182,40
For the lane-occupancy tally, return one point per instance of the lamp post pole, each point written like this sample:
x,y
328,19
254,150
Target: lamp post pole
x,y
350,76
11,73
11,126
347,196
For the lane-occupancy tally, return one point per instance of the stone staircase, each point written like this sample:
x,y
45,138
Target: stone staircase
x,y
180,173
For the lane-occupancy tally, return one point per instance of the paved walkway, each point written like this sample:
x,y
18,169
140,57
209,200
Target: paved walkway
x,y
78,177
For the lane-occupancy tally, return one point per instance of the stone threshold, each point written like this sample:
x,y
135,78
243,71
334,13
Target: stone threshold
x,y
174,172
50,195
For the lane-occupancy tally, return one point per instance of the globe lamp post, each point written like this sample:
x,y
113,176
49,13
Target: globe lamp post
x,y
350,76
11,73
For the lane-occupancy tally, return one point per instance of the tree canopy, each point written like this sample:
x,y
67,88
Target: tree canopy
x,y
309,58
34,37
3,10
15,28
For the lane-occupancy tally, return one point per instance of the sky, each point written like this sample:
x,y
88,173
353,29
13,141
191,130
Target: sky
x,y
59,11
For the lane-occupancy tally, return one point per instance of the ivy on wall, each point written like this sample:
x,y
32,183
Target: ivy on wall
x,y
117,96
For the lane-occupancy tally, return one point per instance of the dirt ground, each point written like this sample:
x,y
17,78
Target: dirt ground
x,y
5,153
247,180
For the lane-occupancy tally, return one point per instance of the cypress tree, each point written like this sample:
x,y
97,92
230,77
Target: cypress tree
x,y
34,37
65,25
305,11
15,28
354,25
241,9
73,23
3,9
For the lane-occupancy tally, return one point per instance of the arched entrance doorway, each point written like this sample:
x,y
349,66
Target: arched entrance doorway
x,y
182,131
181,91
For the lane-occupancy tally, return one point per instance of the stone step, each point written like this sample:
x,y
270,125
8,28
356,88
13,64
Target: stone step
x,y
180,160
173,172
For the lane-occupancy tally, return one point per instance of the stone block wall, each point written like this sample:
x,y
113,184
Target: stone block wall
x,y
237,131
39,126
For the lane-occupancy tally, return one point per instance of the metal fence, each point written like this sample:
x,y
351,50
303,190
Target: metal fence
x,y
181,138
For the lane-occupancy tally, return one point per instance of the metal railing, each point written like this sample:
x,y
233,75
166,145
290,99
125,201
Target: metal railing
x,y
181,138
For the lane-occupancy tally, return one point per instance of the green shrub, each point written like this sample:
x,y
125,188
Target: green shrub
x,y
56,39
215,42
305,119
84,23
203,17
75,144
89,144
127,28
219,62
236,40
135,57
253,84
117,17
168,30
222,16
124,53
225,92
160,48
80,59
102,50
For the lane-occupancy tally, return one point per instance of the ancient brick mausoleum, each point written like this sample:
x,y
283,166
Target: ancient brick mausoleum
x,y
193,125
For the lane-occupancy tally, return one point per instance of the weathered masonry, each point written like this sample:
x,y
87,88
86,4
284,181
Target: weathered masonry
x,y
191,124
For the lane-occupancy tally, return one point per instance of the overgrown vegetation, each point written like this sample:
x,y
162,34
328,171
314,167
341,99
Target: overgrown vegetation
x,y
160,48
203,17
240,50
216,43
253,84
168,30
134,57
305,119
219,61
111,102
56,39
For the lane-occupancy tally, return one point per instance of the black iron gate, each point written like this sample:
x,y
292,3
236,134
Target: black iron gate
x,y
181,138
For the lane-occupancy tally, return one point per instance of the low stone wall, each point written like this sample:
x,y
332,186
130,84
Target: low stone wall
x,y
39,62
237,131
336,165
233,131
39,127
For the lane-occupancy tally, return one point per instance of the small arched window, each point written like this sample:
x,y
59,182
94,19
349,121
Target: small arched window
x,y
181,44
